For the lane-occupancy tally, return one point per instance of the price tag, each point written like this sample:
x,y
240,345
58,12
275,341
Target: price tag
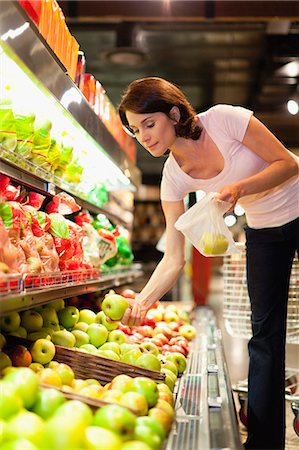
x,y
50,187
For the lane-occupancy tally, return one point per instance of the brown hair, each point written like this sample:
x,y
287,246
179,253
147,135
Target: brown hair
x,y
153,94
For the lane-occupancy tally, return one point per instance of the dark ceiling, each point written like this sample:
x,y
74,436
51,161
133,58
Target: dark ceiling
x,y
238,52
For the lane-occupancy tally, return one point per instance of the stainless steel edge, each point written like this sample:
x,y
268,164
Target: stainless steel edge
x,y
33,51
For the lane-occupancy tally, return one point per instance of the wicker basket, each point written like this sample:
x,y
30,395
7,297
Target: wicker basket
x,y
86,365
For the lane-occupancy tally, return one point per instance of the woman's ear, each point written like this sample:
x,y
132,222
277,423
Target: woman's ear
x,y
175,114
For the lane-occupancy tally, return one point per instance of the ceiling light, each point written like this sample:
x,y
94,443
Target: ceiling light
x,y
293,107
230,220
127,56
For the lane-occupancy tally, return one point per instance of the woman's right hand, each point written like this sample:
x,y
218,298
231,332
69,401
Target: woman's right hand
x,y
135,314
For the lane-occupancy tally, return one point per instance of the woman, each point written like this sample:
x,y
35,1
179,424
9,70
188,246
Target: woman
x,y
226,149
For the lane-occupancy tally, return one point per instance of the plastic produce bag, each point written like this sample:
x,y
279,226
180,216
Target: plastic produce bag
x,y
63,203
41,145
203,224
8,137
25,131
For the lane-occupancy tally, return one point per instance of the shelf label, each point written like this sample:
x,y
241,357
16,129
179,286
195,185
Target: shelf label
x,y
50,187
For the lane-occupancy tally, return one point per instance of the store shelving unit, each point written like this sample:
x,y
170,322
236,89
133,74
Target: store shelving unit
x,y
205,412
21,39
205,415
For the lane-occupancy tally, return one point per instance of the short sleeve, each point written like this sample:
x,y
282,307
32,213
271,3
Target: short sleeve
x,y
170,186
230,121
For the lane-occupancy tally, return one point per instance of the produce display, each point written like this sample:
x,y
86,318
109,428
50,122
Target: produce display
x,y
37,237
42,401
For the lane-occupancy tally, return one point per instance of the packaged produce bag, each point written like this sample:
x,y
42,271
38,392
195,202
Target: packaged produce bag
x,y
203,224
8,136
41,145
25,131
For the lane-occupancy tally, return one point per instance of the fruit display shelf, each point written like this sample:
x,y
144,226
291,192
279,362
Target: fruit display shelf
x,y
19,292
204,408
86,365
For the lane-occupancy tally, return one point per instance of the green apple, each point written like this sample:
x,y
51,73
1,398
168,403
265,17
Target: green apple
x,y
114,306
36,367
68,316
110,354
126,347
117,419
26,384
170,378
213,244
75,411
81,326
98,438
81,337
41,334
20,332
170,366
135,401
18,444
97,334
162,417
87,316
117,336
57,304
66,373
145,433
179,360
26,425
61,432
122,382
148,388
149,361
165,393
112,396
47,402
114,346
50,318
10,322
89,348
152,424
149,347
2,341
188,331
64,338
49,377
131,356
5,361
10,400
163,404
31,320
3,426
101,318
135,445
92,390
42,351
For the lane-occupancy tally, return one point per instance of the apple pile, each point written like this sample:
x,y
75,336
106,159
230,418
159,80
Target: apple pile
x,y
35,418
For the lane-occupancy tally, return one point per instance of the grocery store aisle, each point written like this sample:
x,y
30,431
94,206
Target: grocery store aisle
x,y
235,351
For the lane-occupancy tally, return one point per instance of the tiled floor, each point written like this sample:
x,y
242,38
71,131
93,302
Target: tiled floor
x,y
235,350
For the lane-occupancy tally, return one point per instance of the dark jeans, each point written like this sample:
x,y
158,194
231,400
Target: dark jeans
x,y
269,253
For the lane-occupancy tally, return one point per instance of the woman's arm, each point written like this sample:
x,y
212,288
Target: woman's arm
x,y
282,165
166,272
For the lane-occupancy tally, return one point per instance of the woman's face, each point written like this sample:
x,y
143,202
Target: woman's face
x,y
154,131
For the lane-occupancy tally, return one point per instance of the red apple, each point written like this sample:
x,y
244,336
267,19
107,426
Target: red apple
x,y
20,356
128,293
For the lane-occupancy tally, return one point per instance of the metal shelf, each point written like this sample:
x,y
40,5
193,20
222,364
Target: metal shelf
x,y
22,37
37,297
205,412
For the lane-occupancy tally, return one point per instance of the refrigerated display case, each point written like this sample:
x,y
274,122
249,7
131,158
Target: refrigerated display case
x,y
205,414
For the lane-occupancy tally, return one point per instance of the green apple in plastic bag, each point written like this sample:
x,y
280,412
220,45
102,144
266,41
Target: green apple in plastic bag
x,y
25,131
8,137
213,244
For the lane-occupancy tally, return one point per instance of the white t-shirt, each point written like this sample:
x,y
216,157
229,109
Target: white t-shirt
x,y
226,125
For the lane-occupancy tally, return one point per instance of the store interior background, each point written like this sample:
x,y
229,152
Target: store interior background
x,y
236,52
